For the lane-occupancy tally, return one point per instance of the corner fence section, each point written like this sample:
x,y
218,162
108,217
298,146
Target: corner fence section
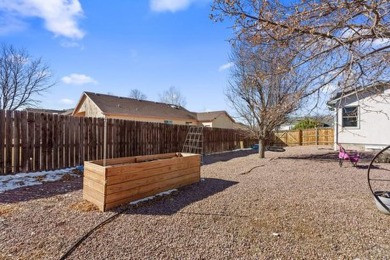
x,y
31,142
315,136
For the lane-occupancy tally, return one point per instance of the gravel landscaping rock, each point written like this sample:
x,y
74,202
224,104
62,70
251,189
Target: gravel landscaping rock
x,y
291,205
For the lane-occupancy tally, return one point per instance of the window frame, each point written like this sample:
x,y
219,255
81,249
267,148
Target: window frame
x,y
345,116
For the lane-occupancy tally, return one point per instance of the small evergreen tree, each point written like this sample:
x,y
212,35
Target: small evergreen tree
x,y
306,123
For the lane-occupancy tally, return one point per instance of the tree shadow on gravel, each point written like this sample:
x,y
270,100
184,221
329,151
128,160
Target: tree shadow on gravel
x,y
226,156
365,157
171,204
45,190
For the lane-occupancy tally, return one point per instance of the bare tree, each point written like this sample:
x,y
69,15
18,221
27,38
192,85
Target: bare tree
x,y
173,96
137,94
264,90
21,78
345,43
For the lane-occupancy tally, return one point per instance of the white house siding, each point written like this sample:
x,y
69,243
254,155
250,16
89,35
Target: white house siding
x,y
207,124
373,127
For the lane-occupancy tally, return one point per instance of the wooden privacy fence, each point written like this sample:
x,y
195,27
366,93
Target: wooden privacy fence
x,y
316,136
37,141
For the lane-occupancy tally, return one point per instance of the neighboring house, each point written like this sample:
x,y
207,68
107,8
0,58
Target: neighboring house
x,y
64,112
108,106
220,119
362,117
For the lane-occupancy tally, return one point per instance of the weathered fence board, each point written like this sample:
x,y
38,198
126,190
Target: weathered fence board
x,y
38,141
2,140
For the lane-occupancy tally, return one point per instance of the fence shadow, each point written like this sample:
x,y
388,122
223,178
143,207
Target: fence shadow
x,y
45,190
226,156
171,204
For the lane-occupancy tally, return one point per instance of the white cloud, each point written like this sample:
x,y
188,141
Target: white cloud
x,y
9,24
226,66
67,101
60,16
71,44
78,79
170,5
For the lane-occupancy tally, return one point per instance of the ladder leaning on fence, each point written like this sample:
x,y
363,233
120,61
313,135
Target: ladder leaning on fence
x,y
194,140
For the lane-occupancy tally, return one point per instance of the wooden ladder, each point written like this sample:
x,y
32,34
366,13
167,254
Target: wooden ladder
x,y
194,140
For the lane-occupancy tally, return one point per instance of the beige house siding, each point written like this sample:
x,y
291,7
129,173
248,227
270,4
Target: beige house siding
x,y
223,121
89,109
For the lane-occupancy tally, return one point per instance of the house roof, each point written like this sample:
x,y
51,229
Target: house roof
x,y
50,111
114,105
374,88
211,116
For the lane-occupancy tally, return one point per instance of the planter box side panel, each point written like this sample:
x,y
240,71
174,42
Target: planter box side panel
x,y
94,184
150,190
163,175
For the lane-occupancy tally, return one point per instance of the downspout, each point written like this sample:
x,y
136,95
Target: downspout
x,y
336,130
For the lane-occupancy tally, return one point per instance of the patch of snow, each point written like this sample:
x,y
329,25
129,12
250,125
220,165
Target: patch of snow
x,y
10,182
152,197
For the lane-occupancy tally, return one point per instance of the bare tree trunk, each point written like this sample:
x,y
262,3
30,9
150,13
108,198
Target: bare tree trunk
x,y
262,148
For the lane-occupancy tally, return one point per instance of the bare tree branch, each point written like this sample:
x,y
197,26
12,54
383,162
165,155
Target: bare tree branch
x,y
263,89
21,78
173,96
336,39
137,94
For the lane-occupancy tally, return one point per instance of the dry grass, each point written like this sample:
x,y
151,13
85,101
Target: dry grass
x,y
6,209
67,177
84,206
40,178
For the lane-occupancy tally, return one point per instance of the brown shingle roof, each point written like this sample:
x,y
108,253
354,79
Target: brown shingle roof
x,y
142,108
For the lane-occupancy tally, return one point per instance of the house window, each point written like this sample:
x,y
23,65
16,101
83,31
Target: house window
x,y
168,122
350,116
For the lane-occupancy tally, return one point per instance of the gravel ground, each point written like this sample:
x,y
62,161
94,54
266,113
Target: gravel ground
x,y
293,204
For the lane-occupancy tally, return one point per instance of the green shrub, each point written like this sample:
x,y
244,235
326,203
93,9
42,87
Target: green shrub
x,y
306,123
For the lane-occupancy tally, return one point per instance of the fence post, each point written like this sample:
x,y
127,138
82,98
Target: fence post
x,y
316,136
300,137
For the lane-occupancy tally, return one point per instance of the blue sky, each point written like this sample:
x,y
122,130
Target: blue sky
x,y
115,46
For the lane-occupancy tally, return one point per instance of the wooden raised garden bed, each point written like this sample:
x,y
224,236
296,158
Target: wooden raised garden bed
x,y
127,179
